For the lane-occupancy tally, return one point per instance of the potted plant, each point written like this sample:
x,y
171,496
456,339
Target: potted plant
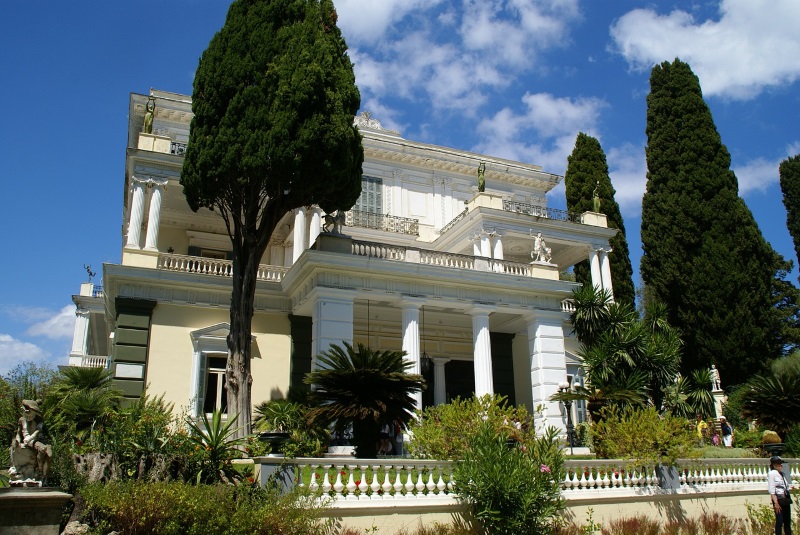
x,y
771,443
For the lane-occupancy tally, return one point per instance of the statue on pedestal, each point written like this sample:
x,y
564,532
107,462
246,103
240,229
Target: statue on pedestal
x,y
30,456
541,252
481,177
716,383
334,223
148,116
596,198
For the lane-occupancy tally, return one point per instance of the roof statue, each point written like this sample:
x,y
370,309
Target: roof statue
x,y
334,223
596,198
541,252
147,128
481,177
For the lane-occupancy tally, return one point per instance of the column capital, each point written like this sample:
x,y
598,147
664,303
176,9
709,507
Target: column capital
x,y
149,181
543,315
440,361
481,309
412,301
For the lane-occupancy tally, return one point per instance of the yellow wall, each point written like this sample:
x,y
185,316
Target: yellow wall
x,y
169,368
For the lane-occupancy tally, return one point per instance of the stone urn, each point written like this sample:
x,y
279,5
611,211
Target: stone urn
x,y
275,439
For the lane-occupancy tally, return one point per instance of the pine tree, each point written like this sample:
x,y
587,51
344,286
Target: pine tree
x,y
586,170
704,256
790,186
274,99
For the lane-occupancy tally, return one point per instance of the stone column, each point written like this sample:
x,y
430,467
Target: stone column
x,y
316,226
439,380
486,249
497,250
605,271
594,264
331,320
136,214
80,337
154,217
476,246
299,237
410,307
548,363
484,381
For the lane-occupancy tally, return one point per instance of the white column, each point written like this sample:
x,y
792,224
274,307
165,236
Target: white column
x,y
439,380
316,226
476,246
486,248
277,253
437,203
548,363
594,264
136,215
497,251
605,271
80,337
299,237
410,309
331,320
154,217
484,381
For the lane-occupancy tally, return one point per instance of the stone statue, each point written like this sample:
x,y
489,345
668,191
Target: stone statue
x,y
148,116
716,383
334,223
541,252
481,177
30,456
596,197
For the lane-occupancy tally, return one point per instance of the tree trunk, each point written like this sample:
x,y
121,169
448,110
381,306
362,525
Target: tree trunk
x,y
238,374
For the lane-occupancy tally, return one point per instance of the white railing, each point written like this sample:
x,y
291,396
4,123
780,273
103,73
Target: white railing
x,y
94,361
568,305
378,250
511,268
435,258
394,482
213,266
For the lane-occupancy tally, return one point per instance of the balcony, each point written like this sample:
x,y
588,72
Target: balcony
x,y
400,225
213,266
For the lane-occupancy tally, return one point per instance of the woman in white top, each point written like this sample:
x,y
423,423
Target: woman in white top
x,y
779,495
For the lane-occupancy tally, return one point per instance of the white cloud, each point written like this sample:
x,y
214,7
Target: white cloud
x,y
628,172
759,174
754,44
57,326
553,122
449,52
13,352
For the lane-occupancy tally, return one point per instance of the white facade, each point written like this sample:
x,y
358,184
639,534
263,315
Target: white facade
x,y
421,243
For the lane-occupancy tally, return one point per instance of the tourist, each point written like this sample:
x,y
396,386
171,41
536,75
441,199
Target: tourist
x,y
727,432
779,495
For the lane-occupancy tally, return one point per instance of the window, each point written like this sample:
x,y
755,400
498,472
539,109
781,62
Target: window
x,y
212,253
371,199
215,393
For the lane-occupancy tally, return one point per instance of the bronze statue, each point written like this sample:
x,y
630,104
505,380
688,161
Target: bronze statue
x,y
30,456
148,116
481,178
596,197
334,223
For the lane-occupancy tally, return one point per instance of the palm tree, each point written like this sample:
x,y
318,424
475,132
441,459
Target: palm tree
x,y
774,398
80,400
363,387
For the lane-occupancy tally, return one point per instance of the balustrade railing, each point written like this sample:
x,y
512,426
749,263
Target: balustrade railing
x,y
379,250
97,291
94,361
401,225
413,481
214,266
178,149
540,211
436,258
511,268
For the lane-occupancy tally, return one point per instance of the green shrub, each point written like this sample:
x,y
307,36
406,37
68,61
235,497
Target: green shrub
x,y
512,488
445,431
644,436
138,508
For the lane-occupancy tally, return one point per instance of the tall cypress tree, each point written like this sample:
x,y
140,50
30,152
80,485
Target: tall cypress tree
x,y
790,186
586,168
704,255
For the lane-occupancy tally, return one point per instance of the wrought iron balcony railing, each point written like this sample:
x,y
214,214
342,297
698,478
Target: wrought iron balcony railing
x,y
400,225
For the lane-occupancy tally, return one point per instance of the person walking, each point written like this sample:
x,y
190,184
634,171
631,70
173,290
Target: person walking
x,y
727,432
779,496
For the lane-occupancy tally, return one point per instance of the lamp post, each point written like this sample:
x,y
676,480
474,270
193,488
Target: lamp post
x,y
566,387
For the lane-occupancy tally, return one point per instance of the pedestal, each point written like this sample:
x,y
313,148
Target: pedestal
x,y
31,511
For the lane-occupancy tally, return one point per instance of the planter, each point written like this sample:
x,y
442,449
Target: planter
x,y
776,448
275,439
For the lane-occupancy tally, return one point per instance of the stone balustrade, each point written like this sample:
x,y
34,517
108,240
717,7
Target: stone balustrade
x,y
94,361
213,266
394,482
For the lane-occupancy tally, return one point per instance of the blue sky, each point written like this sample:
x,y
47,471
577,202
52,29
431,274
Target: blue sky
x,y
511,78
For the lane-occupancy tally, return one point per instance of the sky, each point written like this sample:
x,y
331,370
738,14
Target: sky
x,y
515,79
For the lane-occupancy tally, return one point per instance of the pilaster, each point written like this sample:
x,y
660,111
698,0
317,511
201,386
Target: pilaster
x,y
548,363
331,320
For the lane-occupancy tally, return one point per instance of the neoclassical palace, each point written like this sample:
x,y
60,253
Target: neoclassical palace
x,y
469,282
